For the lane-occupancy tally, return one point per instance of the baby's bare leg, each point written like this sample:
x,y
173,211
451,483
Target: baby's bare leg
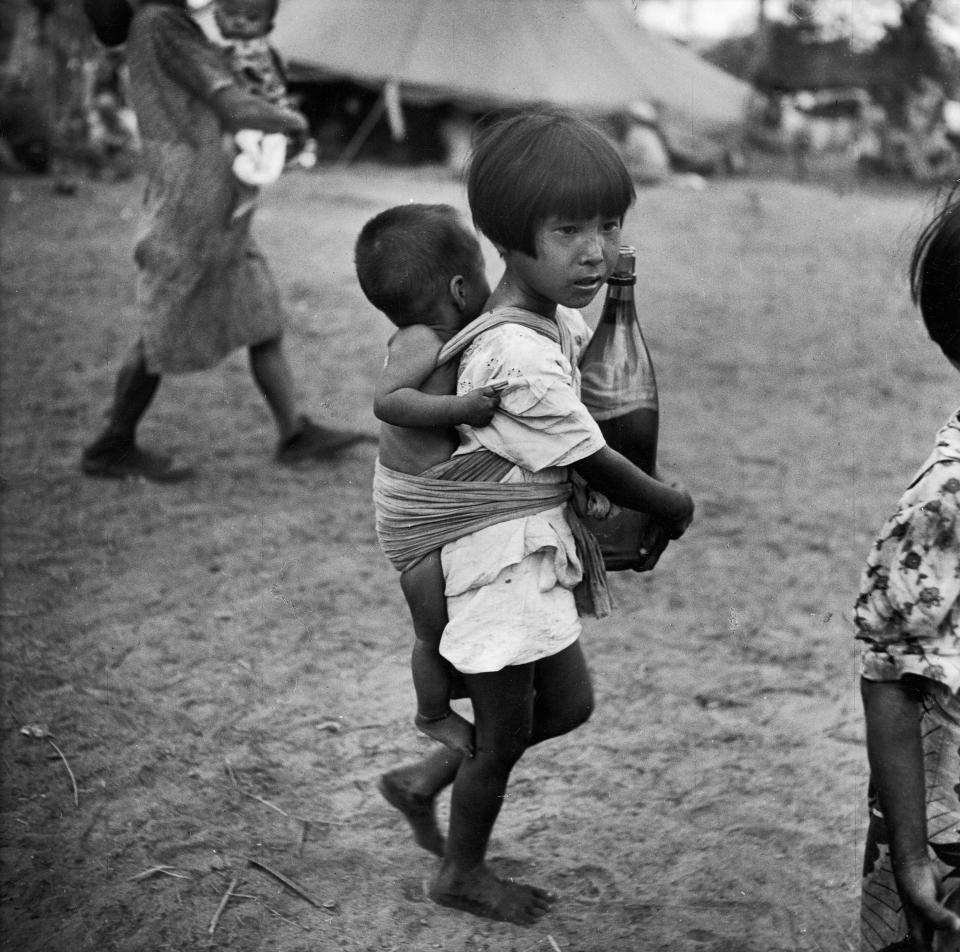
x,y
423,588
413,791
435,717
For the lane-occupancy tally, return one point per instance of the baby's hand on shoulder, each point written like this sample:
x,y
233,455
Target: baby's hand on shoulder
x,y
480,405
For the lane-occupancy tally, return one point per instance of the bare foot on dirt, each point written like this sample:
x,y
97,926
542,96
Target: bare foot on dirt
x,y
418,809
451,729
483,894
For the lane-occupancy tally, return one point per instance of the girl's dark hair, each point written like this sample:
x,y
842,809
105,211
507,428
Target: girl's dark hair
x,y
935,276
406,256
271,7
532,166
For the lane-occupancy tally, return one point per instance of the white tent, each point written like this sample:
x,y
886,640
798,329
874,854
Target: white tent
x,y
590,55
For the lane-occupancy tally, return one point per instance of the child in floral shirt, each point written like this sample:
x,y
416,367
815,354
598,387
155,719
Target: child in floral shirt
x,y
908,617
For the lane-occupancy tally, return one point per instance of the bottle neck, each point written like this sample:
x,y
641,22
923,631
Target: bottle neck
x,y
619,300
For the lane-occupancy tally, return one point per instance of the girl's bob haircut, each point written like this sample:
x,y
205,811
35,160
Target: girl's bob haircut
x,y
534,166
935,276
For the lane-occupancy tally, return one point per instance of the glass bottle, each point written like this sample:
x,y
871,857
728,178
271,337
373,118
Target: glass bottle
x,y
619,388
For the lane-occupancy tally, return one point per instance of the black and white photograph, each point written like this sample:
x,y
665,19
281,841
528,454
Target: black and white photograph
x,y
662,297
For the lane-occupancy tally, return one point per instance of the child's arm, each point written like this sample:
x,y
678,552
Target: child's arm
x,y
239,110
411,359
629,486
896,765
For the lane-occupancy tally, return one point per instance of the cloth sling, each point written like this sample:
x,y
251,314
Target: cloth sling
x,y
557,332
418,514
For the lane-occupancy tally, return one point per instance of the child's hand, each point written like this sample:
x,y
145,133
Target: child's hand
x,y
652,544
919,888
676,527
479,405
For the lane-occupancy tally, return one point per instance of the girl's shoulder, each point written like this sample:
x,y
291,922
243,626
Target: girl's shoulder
x,y
577,325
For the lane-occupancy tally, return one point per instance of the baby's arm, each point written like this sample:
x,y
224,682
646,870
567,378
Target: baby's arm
x,y
239,110
196,64
629,486
896,766
411,359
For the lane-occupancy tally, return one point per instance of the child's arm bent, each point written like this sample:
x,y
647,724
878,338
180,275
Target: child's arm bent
x,y
629,486
411,359
896,766
197,65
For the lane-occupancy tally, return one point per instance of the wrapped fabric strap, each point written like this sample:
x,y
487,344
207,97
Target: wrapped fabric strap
x,y
558,332
417,514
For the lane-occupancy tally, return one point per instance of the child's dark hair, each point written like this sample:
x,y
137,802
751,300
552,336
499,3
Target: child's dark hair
x,y
935,276
532,166
271,7
406,256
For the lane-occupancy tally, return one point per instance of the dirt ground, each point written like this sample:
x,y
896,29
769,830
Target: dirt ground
x,y
221,667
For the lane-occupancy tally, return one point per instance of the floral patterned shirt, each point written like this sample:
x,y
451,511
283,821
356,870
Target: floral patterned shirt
x,y
909,605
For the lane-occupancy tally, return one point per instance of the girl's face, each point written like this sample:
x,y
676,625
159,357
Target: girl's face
x,y
574,259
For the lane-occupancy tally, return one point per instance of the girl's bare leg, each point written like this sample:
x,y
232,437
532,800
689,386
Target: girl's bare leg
x,y
562,700
563,694
514,708
503,704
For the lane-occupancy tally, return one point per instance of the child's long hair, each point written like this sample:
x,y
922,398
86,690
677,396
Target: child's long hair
x,y
406,256
935,276
533,166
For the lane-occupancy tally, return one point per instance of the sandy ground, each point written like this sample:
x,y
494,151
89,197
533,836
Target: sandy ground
x,y
221,667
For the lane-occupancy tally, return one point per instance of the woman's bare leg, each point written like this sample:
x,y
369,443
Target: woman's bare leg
x,y
114,453
273,377
300,439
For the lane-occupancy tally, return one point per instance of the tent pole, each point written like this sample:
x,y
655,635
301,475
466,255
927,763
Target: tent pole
x,y
363,132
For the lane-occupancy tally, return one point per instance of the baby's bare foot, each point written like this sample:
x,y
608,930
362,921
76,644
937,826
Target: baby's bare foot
x,y
451,729
483,894
417,808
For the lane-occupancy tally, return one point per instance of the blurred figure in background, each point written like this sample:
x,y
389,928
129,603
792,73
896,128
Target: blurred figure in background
x,y
203,285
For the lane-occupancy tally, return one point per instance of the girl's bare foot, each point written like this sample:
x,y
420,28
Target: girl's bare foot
x,y
450,729
483,894
418,809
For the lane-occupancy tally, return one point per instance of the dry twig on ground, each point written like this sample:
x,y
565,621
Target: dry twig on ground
x,y
223,904
286,881
39,732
